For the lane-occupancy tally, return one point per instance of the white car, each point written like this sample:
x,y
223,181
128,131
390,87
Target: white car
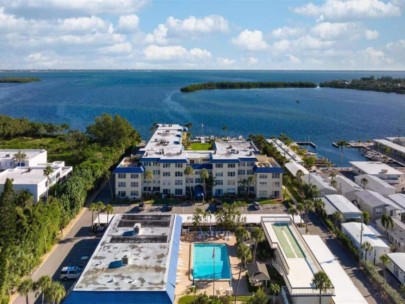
x,y
70,273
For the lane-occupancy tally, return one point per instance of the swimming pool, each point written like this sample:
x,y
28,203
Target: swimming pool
x,y
287,241
207,265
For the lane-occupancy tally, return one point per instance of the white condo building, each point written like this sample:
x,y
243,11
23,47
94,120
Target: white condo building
x,y
235,167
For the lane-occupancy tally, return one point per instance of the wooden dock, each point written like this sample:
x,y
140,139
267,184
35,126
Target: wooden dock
x,y
355,144
306,143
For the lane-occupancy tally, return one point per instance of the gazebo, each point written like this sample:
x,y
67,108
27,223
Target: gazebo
x,y
258,274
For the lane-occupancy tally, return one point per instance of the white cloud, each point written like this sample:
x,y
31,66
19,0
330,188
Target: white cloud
x,y
371,35
329,30
207,24
128,23
85,6
174,52
250,40
285,32
158,36
344,9
252,60
225,61
375,57
83,24
396,45
119,48
293,59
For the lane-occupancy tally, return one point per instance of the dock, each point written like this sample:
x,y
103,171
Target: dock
x,y
306,143
355,144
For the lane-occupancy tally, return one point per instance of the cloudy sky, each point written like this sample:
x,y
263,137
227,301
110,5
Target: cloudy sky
x,y
202,34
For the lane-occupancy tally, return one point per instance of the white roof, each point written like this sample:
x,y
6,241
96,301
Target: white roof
x,y
375,183
345,291
250,218
341,204
30,153
370,235
23,176
286,151
375,168
373,199
346,185
391,145
293,168
398,198
398,258
318,181
234,149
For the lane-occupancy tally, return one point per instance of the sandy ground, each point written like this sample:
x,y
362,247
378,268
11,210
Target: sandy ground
x,y
184,280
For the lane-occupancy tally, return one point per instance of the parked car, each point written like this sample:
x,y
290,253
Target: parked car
x,y
166,208
83,261
256,206
70,273
141,206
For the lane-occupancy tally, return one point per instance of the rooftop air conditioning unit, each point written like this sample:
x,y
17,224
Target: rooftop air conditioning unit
x,y
137,229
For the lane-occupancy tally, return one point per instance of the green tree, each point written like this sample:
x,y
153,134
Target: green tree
x,y
366,217
366,246
25,287
300,209
257,236
387,222
259,297
332,175
341,145
299,176
309,161
337,217
229,216
245,256
333,183
93,208
204,175
20,158
364,182
292,211
197,218
108,209
274,290
308,207
55,293
241,234
322,282
385,260
48,171
148,176
41,285
187,172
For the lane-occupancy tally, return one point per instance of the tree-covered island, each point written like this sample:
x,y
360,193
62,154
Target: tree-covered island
x,y
385,84
246,85
18,79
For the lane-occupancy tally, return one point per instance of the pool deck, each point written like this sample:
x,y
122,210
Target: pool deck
x,y
184,279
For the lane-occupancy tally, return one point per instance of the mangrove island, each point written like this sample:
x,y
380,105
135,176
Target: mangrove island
x,y
245,85
18,79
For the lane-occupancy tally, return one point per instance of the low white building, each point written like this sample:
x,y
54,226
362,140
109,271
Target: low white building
x,y
398,198
284,150
323,186
376,184
33,157
397,265
376,204
353,231
33,178
396,234
379,169
347,187
339,203
293,167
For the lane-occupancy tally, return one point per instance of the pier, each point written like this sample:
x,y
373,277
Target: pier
x,y
355,144
306,143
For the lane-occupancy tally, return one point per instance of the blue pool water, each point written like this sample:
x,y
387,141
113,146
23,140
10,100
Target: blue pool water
x,y
206,266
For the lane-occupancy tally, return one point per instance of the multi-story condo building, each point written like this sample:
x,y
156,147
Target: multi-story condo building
x,y
234,167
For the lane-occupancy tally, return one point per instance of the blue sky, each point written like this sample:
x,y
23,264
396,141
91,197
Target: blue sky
x,y
202,34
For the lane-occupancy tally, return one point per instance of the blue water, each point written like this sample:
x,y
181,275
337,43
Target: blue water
x,y
207,266
144,97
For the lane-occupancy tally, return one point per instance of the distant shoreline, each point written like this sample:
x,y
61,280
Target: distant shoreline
x,y
229,85
18,79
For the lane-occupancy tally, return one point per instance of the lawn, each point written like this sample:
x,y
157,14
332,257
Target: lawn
x,y
199,146
269,201
189,299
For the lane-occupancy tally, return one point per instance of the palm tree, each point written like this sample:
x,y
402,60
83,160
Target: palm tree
x,y
241,234
333,183
55,293
309,162
299,175
366,217
148,176
332,175
245,256
341,145
385,260
250,181
337,217
20,157
42,284
259,297
48,172
204,175
308,206
292,211
197,217
108,209
322,282
364,182
300,209
187,172
257,236
25,287
100,208
93,207
366,246
387,222
274,290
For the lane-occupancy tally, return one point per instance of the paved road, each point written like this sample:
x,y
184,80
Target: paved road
x,y
349,264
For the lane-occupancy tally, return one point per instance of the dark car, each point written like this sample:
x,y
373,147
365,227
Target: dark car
x,y
256,206
141,206
216,205
166,208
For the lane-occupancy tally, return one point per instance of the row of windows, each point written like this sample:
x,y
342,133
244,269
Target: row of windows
x,y
124,193
124,184
123,175
217,174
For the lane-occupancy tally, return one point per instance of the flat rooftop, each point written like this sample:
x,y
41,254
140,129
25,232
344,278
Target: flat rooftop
x,y
346,185
392,145
341,203
284,150
375,168
234,149
345,290
373,199
398,198
147,254
23,176
370,235
398,258
30,153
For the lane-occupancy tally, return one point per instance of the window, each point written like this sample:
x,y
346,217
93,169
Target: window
x,y
122,194
249,172
178,182
231,183
262,176
134,193
156,172
122,184
276,175
219,165
189,180
122,175
134,176
262,193
178,191
263,183
134,184
241,172
166,173
231,165
166,165
146,189
276,184
155,164
178,173
251,164
219,174
231,173
219,182
146,164
198,181
179,165
156,189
